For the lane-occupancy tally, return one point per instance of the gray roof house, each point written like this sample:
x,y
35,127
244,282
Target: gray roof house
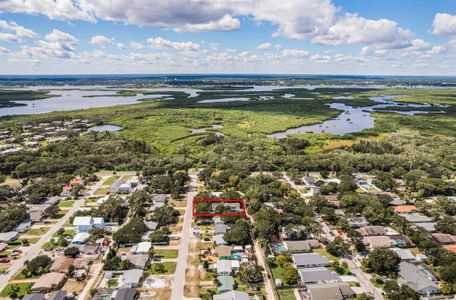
x,y
310,260
416,218
124,294
357,222
219,240
58,295
140,261
131,278
34,297
24,226
330,291
151,225
428,226
232,295
160,198
418,278
301,246
318,275
9,236
220,228
404,254
224,267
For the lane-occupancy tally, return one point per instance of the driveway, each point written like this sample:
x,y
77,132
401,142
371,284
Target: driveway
x,y
177,292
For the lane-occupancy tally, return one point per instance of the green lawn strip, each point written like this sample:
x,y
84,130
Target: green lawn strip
x,y
286,294
21,276
166,253
37,231
23,287
170,268
101,191
68,203
325,253
67,232
110,180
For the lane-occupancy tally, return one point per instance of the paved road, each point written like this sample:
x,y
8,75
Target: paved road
x,y
35,249
96,269
364,280
177,292
262,263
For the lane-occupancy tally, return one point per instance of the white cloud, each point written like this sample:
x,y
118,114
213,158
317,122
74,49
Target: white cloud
x,y
136,45
4,50
227,23
15,32
56,44
264,46
102,41
352,29
321,58
297,53
120,46
54,9
444,24
159,42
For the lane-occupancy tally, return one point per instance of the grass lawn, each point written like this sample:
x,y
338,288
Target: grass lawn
x,y
58,216
68,203
67,232
277,272
286,294
166,253
37,231
170,268
325,253
23,287
21,276
110,180
101,191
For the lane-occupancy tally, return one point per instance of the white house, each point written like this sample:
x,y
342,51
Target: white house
x,y
141,248
85,224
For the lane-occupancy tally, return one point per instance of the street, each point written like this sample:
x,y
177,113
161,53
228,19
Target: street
x,y
364,280
177,292
35,249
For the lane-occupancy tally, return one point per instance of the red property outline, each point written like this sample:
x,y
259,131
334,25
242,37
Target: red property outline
x,y
196,200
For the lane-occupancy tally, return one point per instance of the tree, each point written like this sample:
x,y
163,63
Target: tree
x,y
395,292
159,236
447,272
70,271
382,261
250,273
447,288
71,251
13,291
446,225
239,233
338,247
283,259
290,274
158,268
39,264
137,202
267,222
131,232
165,215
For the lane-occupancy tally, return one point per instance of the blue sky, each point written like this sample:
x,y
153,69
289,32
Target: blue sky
x,y
407,37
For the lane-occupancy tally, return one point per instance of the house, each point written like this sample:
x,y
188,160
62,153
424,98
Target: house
x,y
151,225
225,283
48,282
80,263
58,295
418,278
235,265
85,224
160,198
416,218
318,275
374,242
33,297
3,247
24,226
219,240
125,188
142,248
80,238
301,246
232,295
444,238
310,260
36,216
404,254
233,206
395,199
224,267
451,248
89,249
372,230
401,241
220,228
124,294
404,209
61,264
357,222
131,278
428,226
9,236
330,291
223,252
140,261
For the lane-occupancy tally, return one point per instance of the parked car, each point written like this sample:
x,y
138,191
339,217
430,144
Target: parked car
x,y
5,260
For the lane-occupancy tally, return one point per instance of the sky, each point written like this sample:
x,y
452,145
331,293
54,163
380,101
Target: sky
x,y
359,37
